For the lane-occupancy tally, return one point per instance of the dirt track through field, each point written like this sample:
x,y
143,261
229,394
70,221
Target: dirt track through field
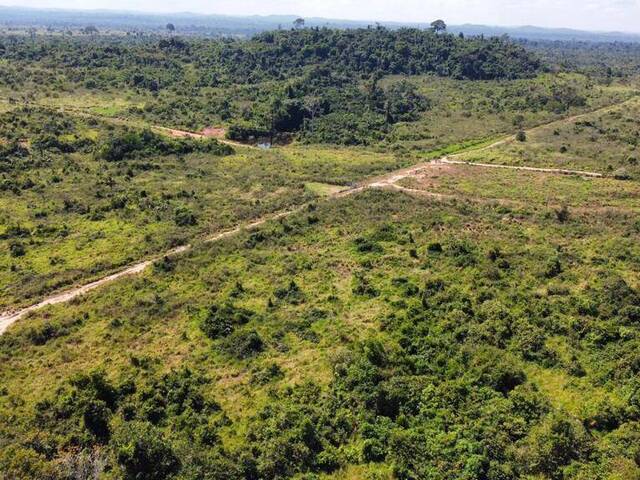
x,y
389,180
559,171
173,132
10,317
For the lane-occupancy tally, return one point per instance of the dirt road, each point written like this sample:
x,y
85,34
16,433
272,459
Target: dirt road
x,y
559,171
385,181
185,134
8,318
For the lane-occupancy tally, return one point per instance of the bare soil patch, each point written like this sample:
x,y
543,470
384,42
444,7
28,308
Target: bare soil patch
x,y
214,132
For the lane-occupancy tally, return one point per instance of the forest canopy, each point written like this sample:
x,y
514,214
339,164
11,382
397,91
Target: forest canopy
x,y
284,53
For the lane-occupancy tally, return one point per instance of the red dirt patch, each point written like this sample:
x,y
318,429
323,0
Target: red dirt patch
x,y
215,132
179,133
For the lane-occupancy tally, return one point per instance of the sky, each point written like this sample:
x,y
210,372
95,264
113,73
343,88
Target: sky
x,y
599,15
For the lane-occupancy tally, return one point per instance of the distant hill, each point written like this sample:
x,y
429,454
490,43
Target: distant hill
x,y
538,33
246,26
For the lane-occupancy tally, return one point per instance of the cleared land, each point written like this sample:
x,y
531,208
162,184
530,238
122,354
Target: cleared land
x,y
606,141
438,181
75,217
533,189
319,310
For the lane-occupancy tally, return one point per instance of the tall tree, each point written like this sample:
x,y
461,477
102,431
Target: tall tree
x,y
276,111
438,26
171,27
299,23
313,107
90,30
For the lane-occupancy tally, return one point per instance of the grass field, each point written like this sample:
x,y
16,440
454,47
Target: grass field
x,y
606,141
83,217
463,111
530,189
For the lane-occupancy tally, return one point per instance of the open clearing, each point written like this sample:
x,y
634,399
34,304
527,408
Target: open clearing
x,y
443,179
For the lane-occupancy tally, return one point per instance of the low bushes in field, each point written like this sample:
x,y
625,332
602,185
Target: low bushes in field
x,y
123,145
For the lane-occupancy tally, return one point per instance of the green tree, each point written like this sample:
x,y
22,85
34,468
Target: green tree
x,y
554,445
90,30
143,453
438,26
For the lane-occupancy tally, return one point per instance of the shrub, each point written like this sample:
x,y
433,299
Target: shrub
x,y
432,287
562,214
553,268
50,142
290,294
184,217
96,416
172,395
222,320
143,453
12,150
434,247
242,345
404,102
126,144
268,374
243,131
365,245
40,335
553,446
17,249
463,253
362,286
622,174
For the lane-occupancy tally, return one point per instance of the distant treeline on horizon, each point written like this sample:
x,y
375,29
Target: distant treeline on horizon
x,y
247,26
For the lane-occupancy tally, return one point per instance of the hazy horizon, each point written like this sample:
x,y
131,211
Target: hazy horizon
x,y
593,15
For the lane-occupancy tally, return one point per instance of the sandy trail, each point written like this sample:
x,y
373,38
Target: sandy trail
x,y
386,181
173,132
389,180
8,318
559,171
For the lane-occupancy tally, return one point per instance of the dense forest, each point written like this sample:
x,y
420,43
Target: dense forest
x,y
315,85
332,72
279,54
607,60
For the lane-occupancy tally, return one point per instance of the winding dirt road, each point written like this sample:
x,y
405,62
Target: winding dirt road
x,y
386,181
8,318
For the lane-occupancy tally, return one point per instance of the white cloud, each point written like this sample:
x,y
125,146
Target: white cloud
x,y
586,14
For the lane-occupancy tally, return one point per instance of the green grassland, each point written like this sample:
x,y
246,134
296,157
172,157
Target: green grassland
x,y
605,141
70,217
69,230
528,188
336,315
464,110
